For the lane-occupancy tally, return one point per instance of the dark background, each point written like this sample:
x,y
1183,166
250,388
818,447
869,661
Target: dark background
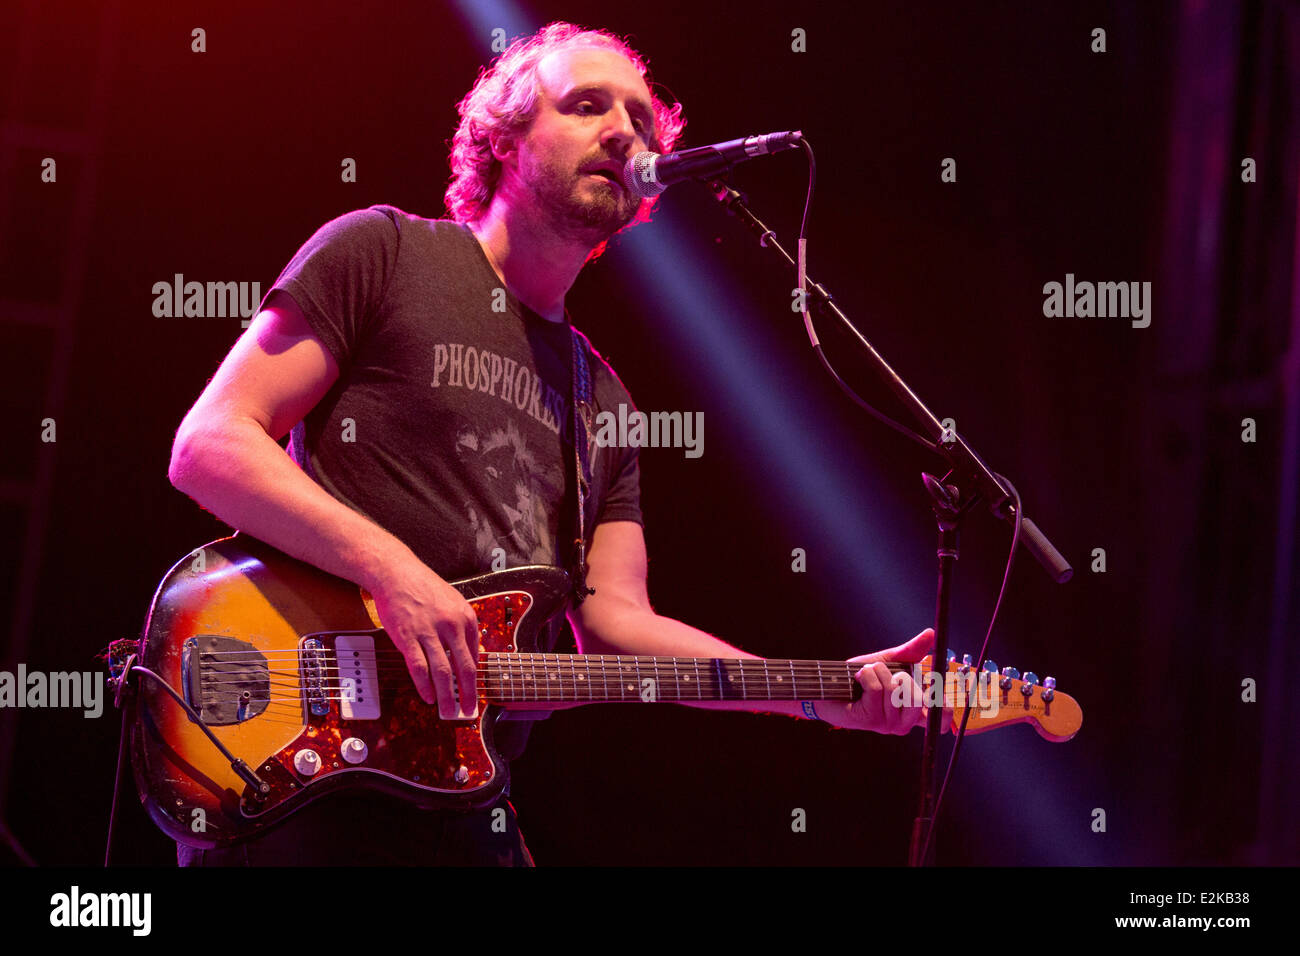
x,y
1115,166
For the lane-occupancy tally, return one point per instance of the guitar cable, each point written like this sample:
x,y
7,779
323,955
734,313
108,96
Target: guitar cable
x,y
919,439
978,668
245,772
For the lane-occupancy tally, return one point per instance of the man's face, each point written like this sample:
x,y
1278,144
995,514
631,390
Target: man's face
x,y
593,114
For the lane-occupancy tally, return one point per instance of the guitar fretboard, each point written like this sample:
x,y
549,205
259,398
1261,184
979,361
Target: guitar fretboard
x,y
596,677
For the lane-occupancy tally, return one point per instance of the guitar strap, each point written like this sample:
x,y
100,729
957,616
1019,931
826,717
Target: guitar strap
x,y
583,417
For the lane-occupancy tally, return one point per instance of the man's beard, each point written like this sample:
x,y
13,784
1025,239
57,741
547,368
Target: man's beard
x,y
576,211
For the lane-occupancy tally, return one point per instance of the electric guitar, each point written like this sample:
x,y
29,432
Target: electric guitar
x,y
263,683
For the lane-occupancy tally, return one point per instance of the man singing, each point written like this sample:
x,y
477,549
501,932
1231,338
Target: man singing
x,y
426,370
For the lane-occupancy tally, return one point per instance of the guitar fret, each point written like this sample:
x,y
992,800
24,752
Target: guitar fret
x,y
821,684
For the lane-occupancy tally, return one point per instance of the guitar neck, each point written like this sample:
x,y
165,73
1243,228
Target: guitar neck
x,y
562,678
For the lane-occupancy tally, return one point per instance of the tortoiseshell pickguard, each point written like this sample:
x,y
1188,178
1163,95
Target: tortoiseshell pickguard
x,y
409,743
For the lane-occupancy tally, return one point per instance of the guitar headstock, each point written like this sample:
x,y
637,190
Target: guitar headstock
x,y
1007,697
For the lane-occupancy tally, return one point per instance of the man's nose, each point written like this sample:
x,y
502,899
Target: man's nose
x,y
619,130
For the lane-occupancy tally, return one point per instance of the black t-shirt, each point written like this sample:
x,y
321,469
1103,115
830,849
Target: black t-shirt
x,y
451,423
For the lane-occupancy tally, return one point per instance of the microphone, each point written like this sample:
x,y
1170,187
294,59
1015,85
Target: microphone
x,y
648,174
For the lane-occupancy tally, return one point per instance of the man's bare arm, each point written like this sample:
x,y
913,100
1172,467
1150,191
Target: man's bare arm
x,y
618,619
226,458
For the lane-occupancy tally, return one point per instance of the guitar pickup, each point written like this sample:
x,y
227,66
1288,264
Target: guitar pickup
x,y
358,677
461,714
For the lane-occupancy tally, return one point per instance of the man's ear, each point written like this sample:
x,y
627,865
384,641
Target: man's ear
x,y
503,146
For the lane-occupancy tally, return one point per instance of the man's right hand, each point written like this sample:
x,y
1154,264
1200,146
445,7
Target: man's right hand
x,y
226,458
436,630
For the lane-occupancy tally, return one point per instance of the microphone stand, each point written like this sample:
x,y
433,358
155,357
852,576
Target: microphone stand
x,y
968,481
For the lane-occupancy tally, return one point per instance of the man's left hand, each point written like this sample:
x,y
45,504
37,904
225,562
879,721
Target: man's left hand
x,y
876,709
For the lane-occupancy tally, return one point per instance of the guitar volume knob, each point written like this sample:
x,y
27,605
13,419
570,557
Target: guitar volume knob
x,y
354,750
306,762
462,774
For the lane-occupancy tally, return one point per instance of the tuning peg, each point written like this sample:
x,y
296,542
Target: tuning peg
x,y
1008,675
952,655
1030,680
1049,689
965,664
990,667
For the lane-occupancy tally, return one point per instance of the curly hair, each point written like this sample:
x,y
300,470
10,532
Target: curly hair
x,y
504,100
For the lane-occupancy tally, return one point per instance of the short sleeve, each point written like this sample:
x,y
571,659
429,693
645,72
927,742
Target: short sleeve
x,y
623,502
340,275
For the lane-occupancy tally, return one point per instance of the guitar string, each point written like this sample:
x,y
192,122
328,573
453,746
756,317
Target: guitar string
x,y
530,658
510,672
748,668
569,671
572,671
519,679
498,689
290,653
594,697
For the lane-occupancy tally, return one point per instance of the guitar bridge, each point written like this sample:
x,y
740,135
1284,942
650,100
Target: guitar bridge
x,y
349,675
